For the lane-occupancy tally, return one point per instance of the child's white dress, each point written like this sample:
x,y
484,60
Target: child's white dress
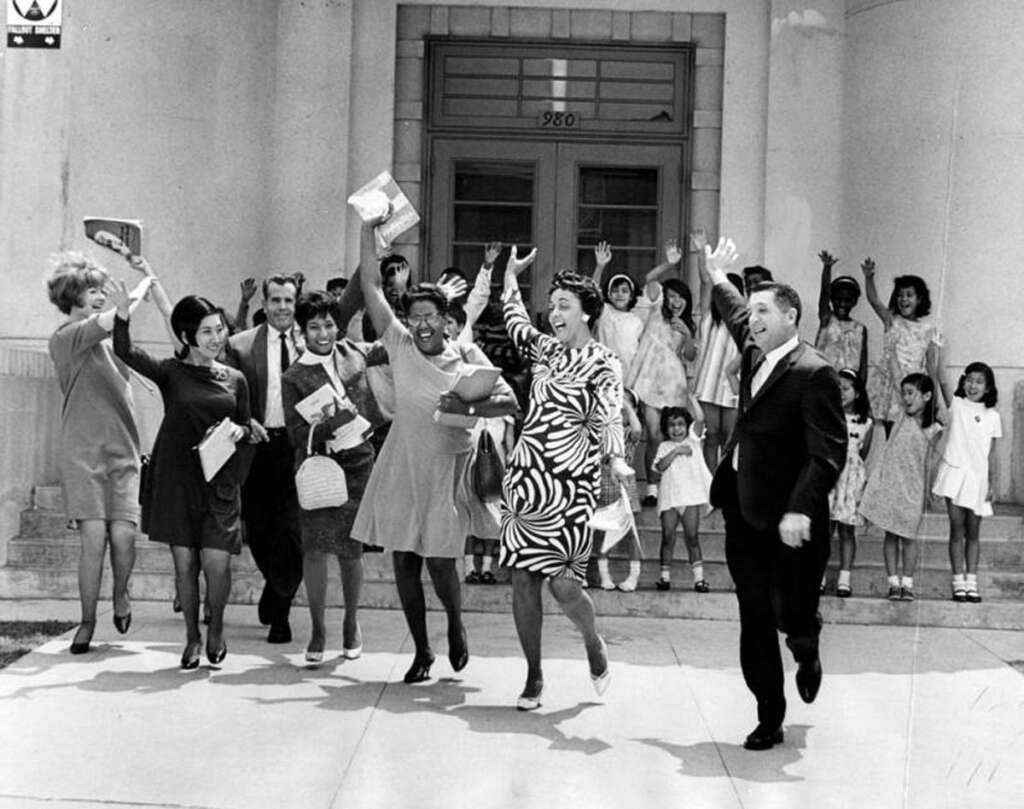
x,y
620,331
904,351
963,474
687,481
844,498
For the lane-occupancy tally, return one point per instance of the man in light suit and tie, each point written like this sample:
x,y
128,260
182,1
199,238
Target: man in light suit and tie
x,y
270,505
781,461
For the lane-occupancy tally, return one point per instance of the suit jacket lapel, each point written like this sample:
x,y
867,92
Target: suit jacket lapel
x,y
780,368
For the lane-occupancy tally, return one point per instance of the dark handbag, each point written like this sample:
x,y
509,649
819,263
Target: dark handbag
x,y
488,469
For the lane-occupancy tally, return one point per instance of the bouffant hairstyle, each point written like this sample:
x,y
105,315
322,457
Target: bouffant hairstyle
x,y
683,291
427,293
188,313
991,396
583,288
617,280
923,383
669,413
786,297
861,406
73,273
313,304
915,282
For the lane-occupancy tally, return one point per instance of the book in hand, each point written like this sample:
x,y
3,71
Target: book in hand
x,y
312,407
216,448
375,199
475,382
127,231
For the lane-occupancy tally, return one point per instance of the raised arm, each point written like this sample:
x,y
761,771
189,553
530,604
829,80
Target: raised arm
x,y
160,298
133,357
731,304
673,255
247,288
698,241
602,258
377,306
480,295
868,268
828,261
517,321
350,302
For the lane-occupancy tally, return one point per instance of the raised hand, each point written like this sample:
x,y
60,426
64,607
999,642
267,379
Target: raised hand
x,y
515,264
827,259
117,294
491,253
452,289
140,264
602,254
722,257
673,255
402,276
248,288
867,267
698,240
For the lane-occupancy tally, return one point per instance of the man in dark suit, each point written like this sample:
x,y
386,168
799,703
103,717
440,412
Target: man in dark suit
x,y
781,461
270,506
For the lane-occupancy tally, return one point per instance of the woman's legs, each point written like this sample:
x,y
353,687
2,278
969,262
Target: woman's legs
x,y
122,560
576,604
445,576
186,580
93,537
314,575
527,610
351,588
217,571
715,436
408,570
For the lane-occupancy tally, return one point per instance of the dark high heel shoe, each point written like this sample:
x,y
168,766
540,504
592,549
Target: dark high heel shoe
x,y
458,652
190,657
419,671
123,622
217,657
79,646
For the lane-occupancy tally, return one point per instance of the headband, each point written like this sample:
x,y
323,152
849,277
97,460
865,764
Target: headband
x,y
626,278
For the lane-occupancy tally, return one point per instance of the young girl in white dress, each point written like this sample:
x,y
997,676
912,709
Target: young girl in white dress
x,y
966,472
844,499
684,488
620,324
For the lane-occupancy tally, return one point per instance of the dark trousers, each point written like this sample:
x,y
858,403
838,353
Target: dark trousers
x,y
777,588
270,509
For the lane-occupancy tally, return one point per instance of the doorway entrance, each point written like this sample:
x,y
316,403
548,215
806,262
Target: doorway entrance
x,y
560,197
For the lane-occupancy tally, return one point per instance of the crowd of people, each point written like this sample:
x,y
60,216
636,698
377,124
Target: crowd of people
x,y
713,397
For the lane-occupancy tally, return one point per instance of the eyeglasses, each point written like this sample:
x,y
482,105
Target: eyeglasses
x,y
418,320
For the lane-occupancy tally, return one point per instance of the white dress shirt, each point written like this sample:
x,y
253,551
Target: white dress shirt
x,y
274,416
764,370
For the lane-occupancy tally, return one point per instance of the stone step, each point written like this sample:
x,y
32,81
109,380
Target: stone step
x,y
996,557
678,603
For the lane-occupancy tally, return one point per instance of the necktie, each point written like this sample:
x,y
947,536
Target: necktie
x,y
284,353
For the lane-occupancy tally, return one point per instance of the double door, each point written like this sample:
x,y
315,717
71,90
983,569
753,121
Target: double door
x,y
560,197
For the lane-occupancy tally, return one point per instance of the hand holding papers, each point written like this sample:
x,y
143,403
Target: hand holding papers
x,y
381,197
217,446
473,383
321,404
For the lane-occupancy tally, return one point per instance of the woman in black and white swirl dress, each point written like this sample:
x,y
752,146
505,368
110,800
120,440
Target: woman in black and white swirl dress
x,y
552,480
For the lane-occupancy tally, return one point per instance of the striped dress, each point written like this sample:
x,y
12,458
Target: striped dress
x,y
552,477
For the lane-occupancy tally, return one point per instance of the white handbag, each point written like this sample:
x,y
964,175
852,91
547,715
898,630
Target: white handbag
x,y
319,481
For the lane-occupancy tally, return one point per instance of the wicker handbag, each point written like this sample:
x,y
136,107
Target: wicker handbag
x,y
319,481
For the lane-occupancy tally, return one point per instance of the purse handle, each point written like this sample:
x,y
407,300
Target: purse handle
x,y
309,442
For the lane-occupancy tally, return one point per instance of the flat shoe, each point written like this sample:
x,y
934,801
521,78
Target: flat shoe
x,y
844,591
603,680
122,622
419,671
701,586
626,586
217,657
762,738
190,657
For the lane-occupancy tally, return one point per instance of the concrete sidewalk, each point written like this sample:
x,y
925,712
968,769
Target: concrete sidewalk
x,y
906,717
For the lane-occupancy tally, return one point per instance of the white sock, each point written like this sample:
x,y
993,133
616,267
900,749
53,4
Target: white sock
x,y
652,489
602,569
485,563
698,571
634,571
666,574
971,579
908,582
469,563
894,581
959,581
844,578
